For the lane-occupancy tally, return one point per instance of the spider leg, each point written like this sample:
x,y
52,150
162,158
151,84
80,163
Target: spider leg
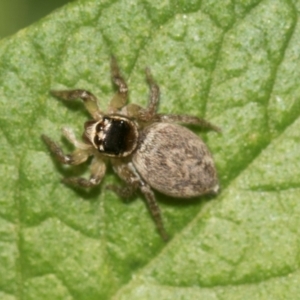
x,y
185,119
70,136
148,113
97,168
77,157
120,98
145,114
127,172
154,210
89,99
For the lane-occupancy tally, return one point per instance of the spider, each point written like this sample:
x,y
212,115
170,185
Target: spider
x,y
147,150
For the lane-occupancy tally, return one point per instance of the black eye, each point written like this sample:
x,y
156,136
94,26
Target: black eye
x,y
99,127
96,140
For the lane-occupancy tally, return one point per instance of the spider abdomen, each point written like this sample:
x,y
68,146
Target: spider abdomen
x,y
175,161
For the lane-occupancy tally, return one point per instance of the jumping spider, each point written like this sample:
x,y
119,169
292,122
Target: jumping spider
x,y
146,149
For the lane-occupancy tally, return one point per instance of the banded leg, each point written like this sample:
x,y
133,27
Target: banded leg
x,y
127,172
97,168
90,101
148,113
185,119
123,191
154,210
120,98
77,157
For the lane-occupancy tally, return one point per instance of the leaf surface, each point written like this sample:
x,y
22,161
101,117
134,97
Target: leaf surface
x,y
236,63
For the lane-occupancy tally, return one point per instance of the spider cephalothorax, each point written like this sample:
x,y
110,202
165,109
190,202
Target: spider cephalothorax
x,y
113,135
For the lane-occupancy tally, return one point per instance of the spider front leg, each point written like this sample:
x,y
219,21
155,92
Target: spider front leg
x,y
77,157
89,99
120,98
98,169
127,172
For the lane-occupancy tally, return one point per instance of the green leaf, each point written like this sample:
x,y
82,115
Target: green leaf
x,y
236,63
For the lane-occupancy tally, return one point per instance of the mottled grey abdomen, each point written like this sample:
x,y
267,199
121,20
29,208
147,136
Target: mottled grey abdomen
x,y
175,161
